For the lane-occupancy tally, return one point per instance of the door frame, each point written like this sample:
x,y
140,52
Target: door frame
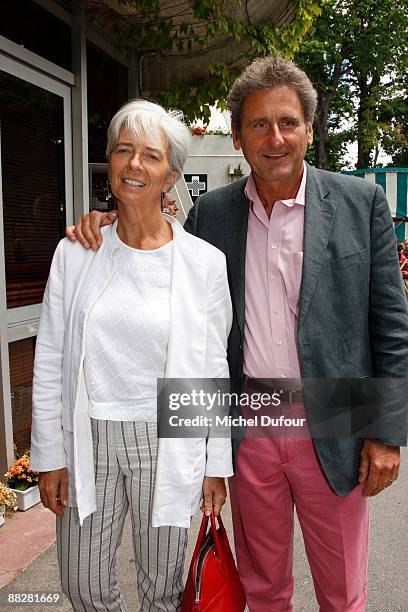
x,y
22,322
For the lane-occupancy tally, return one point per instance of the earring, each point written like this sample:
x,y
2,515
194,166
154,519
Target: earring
x,y
109,195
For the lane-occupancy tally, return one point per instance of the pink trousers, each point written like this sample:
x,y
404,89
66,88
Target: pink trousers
x,y
272,475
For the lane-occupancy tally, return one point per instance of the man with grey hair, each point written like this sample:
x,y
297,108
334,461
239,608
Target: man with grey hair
x,y
317,293
169,204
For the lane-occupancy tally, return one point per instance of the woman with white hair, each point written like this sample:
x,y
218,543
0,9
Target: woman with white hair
x,y
152,302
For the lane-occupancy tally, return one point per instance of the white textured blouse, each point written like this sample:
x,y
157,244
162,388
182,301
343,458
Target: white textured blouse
x,y
127,335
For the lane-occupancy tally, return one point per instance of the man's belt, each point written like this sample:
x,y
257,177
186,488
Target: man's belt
x,y
286,396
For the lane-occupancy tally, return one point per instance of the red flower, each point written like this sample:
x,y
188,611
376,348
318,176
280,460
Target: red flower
x,y
199,131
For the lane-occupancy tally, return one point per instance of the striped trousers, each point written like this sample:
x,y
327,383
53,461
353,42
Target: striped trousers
x,y
125,455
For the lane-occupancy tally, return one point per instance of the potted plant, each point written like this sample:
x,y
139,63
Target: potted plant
x,y
24,482
8,499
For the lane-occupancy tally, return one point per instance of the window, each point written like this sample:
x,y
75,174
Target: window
x,y
32,147
107,91
38,31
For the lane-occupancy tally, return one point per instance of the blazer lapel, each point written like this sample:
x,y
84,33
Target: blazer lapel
x,y
185,354
319,217
236,227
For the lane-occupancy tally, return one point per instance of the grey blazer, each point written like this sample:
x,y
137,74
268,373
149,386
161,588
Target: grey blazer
x,y
353,314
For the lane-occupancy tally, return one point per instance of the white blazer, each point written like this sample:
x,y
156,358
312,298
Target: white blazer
x,y
200,321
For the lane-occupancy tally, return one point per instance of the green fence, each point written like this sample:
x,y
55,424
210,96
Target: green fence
x,y
394,183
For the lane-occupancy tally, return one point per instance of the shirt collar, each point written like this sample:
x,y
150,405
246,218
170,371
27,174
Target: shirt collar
x,y
112,242
300,198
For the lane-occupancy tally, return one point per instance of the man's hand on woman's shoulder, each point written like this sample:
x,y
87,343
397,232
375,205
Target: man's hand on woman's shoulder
x,y
87,229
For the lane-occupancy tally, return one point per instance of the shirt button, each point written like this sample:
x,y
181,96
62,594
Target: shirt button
x,y
274,246
283,375
279,342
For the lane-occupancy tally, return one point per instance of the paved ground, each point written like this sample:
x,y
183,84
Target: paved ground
x,y
388,567
24,537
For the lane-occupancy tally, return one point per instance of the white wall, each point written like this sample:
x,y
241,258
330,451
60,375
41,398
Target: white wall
x,y
213,155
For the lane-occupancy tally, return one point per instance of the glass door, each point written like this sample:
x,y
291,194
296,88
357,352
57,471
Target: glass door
x,y
35,207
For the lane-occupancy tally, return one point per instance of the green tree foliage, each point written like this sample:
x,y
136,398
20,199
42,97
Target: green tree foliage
x,y
393,118
356,55
151,33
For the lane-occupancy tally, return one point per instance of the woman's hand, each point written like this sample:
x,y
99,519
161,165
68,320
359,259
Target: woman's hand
x,y
214,495
53,487
88,228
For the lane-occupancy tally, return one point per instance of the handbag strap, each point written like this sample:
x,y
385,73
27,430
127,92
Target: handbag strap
x,y
201,535
218,543
215,534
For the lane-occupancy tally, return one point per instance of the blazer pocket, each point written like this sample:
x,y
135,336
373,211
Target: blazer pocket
x,y
349,260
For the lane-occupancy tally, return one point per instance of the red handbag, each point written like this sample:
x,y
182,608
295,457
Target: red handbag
x,y
213,583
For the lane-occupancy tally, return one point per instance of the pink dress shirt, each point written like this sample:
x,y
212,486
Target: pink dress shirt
x,y
273,273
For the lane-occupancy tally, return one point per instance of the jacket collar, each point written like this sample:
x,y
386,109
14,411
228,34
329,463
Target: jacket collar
x,y
236,227
320,213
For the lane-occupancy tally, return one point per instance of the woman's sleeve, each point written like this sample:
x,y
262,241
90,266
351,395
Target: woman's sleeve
x,y
47,442
219,318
